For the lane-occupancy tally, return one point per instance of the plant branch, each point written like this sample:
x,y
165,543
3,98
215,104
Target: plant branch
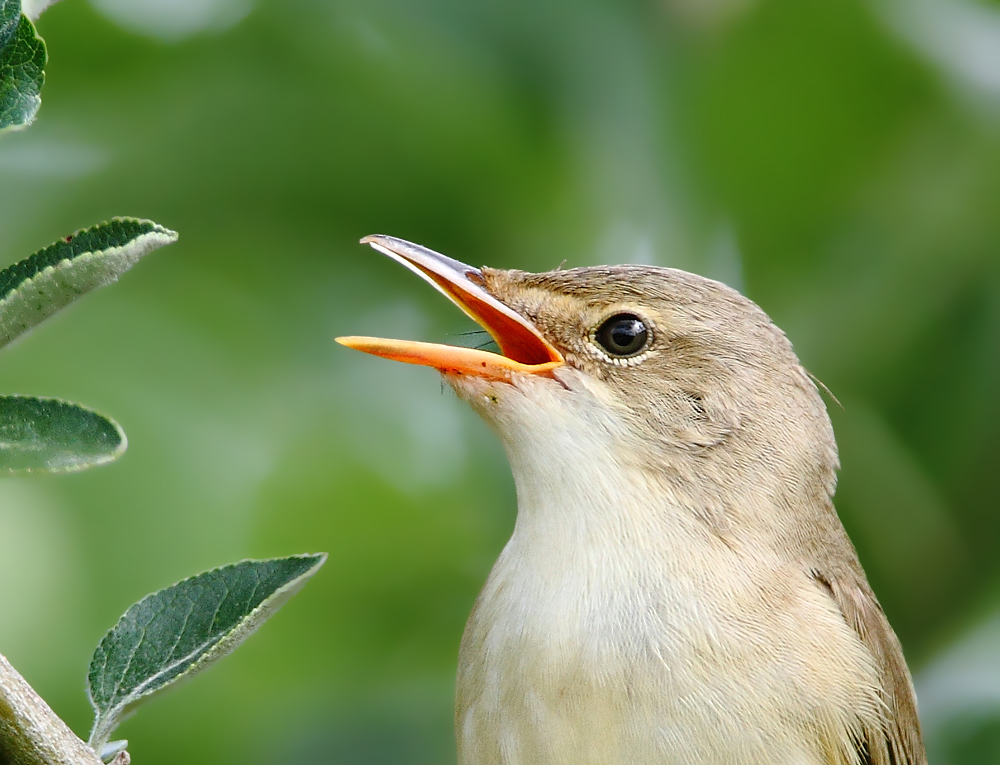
x,y
30,732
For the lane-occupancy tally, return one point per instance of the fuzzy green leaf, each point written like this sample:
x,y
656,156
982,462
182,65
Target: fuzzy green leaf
x,y
39,435
40,285
181,630
10,20
22,67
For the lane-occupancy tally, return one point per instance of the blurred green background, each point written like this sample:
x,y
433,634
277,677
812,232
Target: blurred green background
x,y
839,162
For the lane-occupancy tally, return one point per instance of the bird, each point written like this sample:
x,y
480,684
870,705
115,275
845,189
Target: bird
x,y
678,588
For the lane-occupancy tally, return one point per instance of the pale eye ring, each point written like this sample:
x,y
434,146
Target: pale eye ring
x,y
623,335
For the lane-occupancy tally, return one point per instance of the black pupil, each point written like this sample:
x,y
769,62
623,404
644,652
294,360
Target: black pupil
x,y
623,335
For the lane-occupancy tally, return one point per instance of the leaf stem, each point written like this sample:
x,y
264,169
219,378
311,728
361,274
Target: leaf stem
x,y
30,732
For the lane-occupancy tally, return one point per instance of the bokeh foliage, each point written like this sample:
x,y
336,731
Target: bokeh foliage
x,y
836,161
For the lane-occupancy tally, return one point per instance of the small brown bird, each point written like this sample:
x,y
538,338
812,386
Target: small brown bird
x,y
678,589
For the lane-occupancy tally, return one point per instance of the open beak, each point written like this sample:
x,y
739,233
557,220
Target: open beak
x,y
523,348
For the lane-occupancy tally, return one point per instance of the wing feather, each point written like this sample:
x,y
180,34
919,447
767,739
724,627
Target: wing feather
x,y
899,741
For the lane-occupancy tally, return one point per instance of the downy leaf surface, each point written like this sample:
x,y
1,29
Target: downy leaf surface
x,y
181,630
45,435
38,286
22,67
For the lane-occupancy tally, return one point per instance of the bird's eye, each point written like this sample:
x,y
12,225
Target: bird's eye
x,y
624,334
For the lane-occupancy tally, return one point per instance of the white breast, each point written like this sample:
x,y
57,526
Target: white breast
x,y
617,629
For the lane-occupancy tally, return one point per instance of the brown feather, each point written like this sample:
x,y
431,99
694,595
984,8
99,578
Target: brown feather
x,y
678,587
899,742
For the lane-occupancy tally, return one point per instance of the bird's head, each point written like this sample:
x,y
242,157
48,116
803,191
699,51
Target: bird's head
x,y
671,372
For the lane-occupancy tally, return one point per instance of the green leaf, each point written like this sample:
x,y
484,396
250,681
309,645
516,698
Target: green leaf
x,y
39,435
40,285
22,67
10,20
181,630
